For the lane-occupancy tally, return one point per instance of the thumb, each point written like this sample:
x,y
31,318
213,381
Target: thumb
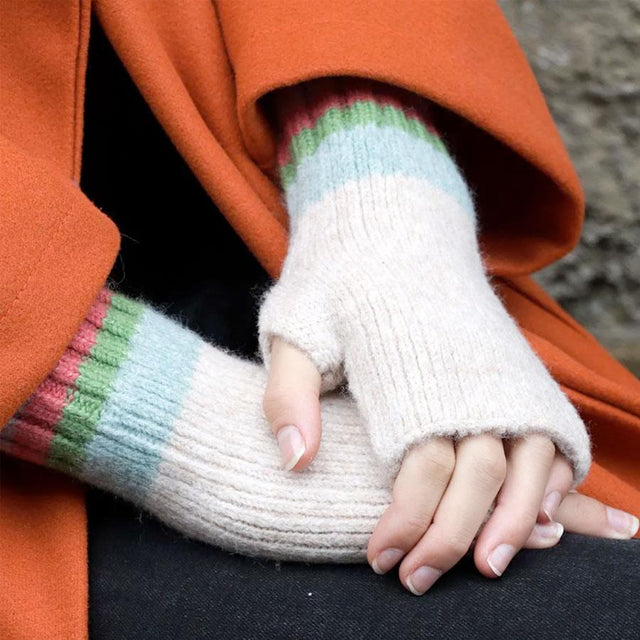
x,y
291,404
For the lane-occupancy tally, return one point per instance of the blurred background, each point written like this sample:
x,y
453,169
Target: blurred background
x,y
586,57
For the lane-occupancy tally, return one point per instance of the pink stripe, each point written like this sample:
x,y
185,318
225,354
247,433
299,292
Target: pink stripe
x,y
27,441
301,109
33,432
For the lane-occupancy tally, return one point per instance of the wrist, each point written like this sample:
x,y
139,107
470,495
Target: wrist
x,y
104,411
337,131
406,224
53,425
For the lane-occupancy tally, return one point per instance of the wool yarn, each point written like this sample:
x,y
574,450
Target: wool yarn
x,y
384,283
142,407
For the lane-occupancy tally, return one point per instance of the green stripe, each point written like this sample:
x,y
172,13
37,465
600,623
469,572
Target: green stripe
x,y
97,374
339,118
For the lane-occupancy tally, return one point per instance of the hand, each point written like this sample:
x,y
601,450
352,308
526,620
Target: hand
x,y
415,327
444,491
526,479
384,286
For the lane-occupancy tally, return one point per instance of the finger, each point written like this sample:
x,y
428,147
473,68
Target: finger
x,y
477,477
529,461
544,535
417,490
547,532
291,404
560,481
588,516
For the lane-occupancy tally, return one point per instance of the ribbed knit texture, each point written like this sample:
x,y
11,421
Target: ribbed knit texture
x,y
384,276
142,407
384,283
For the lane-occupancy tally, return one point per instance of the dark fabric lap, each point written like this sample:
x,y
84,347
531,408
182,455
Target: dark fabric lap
x,y
147,581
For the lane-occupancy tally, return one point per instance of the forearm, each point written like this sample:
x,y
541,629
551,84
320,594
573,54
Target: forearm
x,y
346,148
384,278
142,407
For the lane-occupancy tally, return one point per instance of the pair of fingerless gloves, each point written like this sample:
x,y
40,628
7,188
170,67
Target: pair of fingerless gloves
x,y
383,287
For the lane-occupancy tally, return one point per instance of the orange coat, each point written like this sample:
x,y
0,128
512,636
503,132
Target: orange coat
x,y
203,67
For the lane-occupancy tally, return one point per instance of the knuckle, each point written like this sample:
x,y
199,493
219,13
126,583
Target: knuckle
x,y
528,517
456,544
415,524
519,531
522,518
437,460
525,519
412,516
541,445
490,466
276,401
450,544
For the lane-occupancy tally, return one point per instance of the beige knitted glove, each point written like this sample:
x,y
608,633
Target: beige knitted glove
x,y
142,407
384,281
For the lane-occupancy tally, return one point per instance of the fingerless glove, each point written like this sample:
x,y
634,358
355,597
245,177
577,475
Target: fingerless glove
x,y
142,407
384,283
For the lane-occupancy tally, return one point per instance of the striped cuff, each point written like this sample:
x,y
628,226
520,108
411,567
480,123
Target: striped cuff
x,y
56,423
107,408
339,130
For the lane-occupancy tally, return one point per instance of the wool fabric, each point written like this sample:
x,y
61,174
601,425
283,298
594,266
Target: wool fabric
x,y
143,407
384,283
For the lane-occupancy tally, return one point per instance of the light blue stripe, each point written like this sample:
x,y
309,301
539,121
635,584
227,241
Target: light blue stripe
x,y
137,418
353,154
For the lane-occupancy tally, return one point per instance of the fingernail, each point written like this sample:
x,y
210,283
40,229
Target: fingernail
x,y
386,559
549,530
551,503
421,579
291,445
622,522
500,558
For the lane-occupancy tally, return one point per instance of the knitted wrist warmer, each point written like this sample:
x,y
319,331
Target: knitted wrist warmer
x,y
384,280
142,407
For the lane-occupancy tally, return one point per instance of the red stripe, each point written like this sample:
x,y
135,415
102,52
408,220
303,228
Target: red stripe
x,y
301,109
34,430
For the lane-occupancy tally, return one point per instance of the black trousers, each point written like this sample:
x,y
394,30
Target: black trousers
x,y
147,581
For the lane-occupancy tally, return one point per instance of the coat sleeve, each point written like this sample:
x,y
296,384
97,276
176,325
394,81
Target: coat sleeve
x,y
463,56
56,251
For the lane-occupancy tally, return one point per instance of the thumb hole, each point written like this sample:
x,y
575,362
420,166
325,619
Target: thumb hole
x,y
291,404
302,315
